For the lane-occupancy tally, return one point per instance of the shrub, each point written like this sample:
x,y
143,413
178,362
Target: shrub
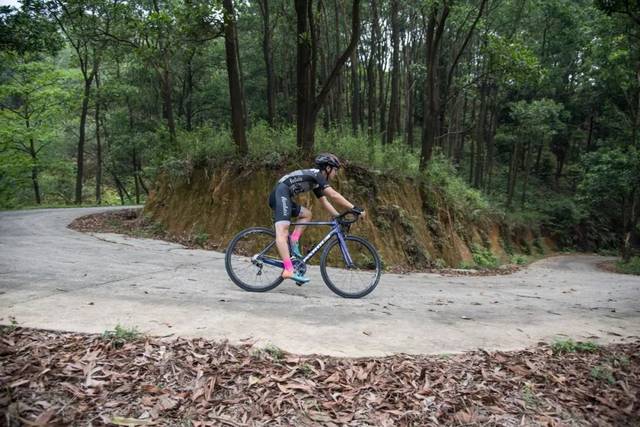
x,y
519,259
466,201
483,257
630,267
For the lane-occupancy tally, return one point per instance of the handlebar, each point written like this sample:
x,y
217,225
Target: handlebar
x,y
348,217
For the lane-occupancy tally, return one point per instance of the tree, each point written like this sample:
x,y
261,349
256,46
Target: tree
x,y
81,21
267,51
308,103
235,82
610,183
534,125
32,103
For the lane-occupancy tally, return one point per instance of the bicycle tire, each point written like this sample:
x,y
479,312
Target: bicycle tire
x,y
239,258
374,266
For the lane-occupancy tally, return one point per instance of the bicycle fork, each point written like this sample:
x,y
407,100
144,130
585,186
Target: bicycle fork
x,y
345,250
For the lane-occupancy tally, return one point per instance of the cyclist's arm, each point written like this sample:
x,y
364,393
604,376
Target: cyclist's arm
x,y
337,198
328,206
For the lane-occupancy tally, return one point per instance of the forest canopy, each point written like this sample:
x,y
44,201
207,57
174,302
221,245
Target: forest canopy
x,y
533,103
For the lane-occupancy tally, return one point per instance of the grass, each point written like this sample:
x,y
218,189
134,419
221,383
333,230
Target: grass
x,y
603,373
121,335
201,238
306,370
571,346
13,324
275,352
529,396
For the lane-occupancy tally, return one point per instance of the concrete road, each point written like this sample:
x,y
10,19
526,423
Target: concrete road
x,y
56,278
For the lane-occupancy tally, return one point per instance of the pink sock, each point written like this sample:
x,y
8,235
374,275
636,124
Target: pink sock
x,y
295,236
288,265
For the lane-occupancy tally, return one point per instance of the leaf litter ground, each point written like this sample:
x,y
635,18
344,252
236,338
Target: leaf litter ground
x,y
56,378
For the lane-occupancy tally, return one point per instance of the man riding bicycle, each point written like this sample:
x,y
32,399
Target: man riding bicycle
x,y
289,186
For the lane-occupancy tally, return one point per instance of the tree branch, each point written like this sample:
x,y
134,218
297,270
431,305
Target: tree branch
x,y
355,35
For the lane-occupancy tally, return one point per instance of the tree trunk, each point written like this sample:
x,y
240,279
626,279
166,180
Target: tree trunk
x,y
134,162
371,91
267,52
34,155
34,170
188,113
235,83
513,173
122,191
493,124
379,48
167,102
430,125
526,166
98,148
480,133
81,139
590,133
355,98
305,77
394,106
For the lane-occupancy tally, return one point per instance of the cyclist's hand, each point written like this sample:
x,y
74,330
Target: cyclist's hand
x,y
359,211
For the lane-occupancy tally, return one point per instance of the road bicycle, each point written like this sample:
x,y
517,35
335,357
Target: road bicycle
x,y
350,265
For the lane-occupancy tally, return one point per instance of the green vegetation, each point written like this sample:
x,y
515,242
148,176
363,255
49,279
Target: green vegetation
x,y
13,324
630,267
571,346
603,373
201,238
529,396
121,335
275,352
483,257
519,259
306,370
533,121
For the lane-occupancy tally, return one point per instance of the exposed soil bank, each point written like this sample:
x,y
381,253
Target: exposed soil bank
x,y
409,222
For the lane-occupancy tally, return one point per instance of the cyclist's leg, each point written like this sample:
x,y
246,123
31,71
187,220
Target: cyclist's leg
x,y
304,215
283,211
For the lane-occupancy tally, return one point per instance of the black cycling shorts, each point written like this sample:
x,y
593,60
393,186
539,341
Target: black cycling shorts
x,y
283,207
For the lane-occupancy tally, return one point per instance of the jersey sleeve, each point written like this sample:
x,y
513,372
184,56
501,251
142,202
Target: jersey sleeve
x,y
322,184
318,192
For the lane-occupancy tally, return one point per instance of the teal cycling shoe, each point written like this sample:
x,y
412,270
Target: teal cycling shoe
x,y
300,280
295,250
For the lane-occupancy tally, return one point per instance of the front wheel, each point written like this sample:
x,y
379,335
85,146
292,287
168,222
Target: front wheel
x,y
252,260
353,274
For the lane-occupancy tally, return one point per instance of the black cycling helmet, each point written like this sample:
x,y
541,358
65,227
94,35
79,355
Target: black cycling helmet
x,y
327,159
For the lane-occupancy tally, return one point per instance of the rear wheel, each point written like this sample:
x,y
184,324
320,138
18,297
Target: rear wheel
x,y
353,279
249,260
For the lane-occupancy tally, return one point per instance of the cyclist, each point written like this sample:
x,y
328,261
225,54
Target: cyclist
x,y
292,184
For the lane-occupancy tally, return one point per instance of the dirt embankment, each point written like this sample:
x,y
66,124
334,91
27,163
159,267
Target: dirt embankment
x,y
409,222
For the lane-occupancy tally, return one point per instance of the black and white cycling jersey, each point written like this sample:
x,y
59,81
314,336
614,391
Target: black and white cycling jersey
x,y
304,180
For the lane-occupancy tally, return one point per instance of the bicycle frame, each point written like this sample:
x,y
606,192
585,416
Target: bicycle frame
x,y
335,231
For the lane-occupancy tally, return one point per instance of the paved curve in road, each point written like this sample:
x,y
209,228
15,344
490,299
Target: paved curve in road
x,y
56,278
